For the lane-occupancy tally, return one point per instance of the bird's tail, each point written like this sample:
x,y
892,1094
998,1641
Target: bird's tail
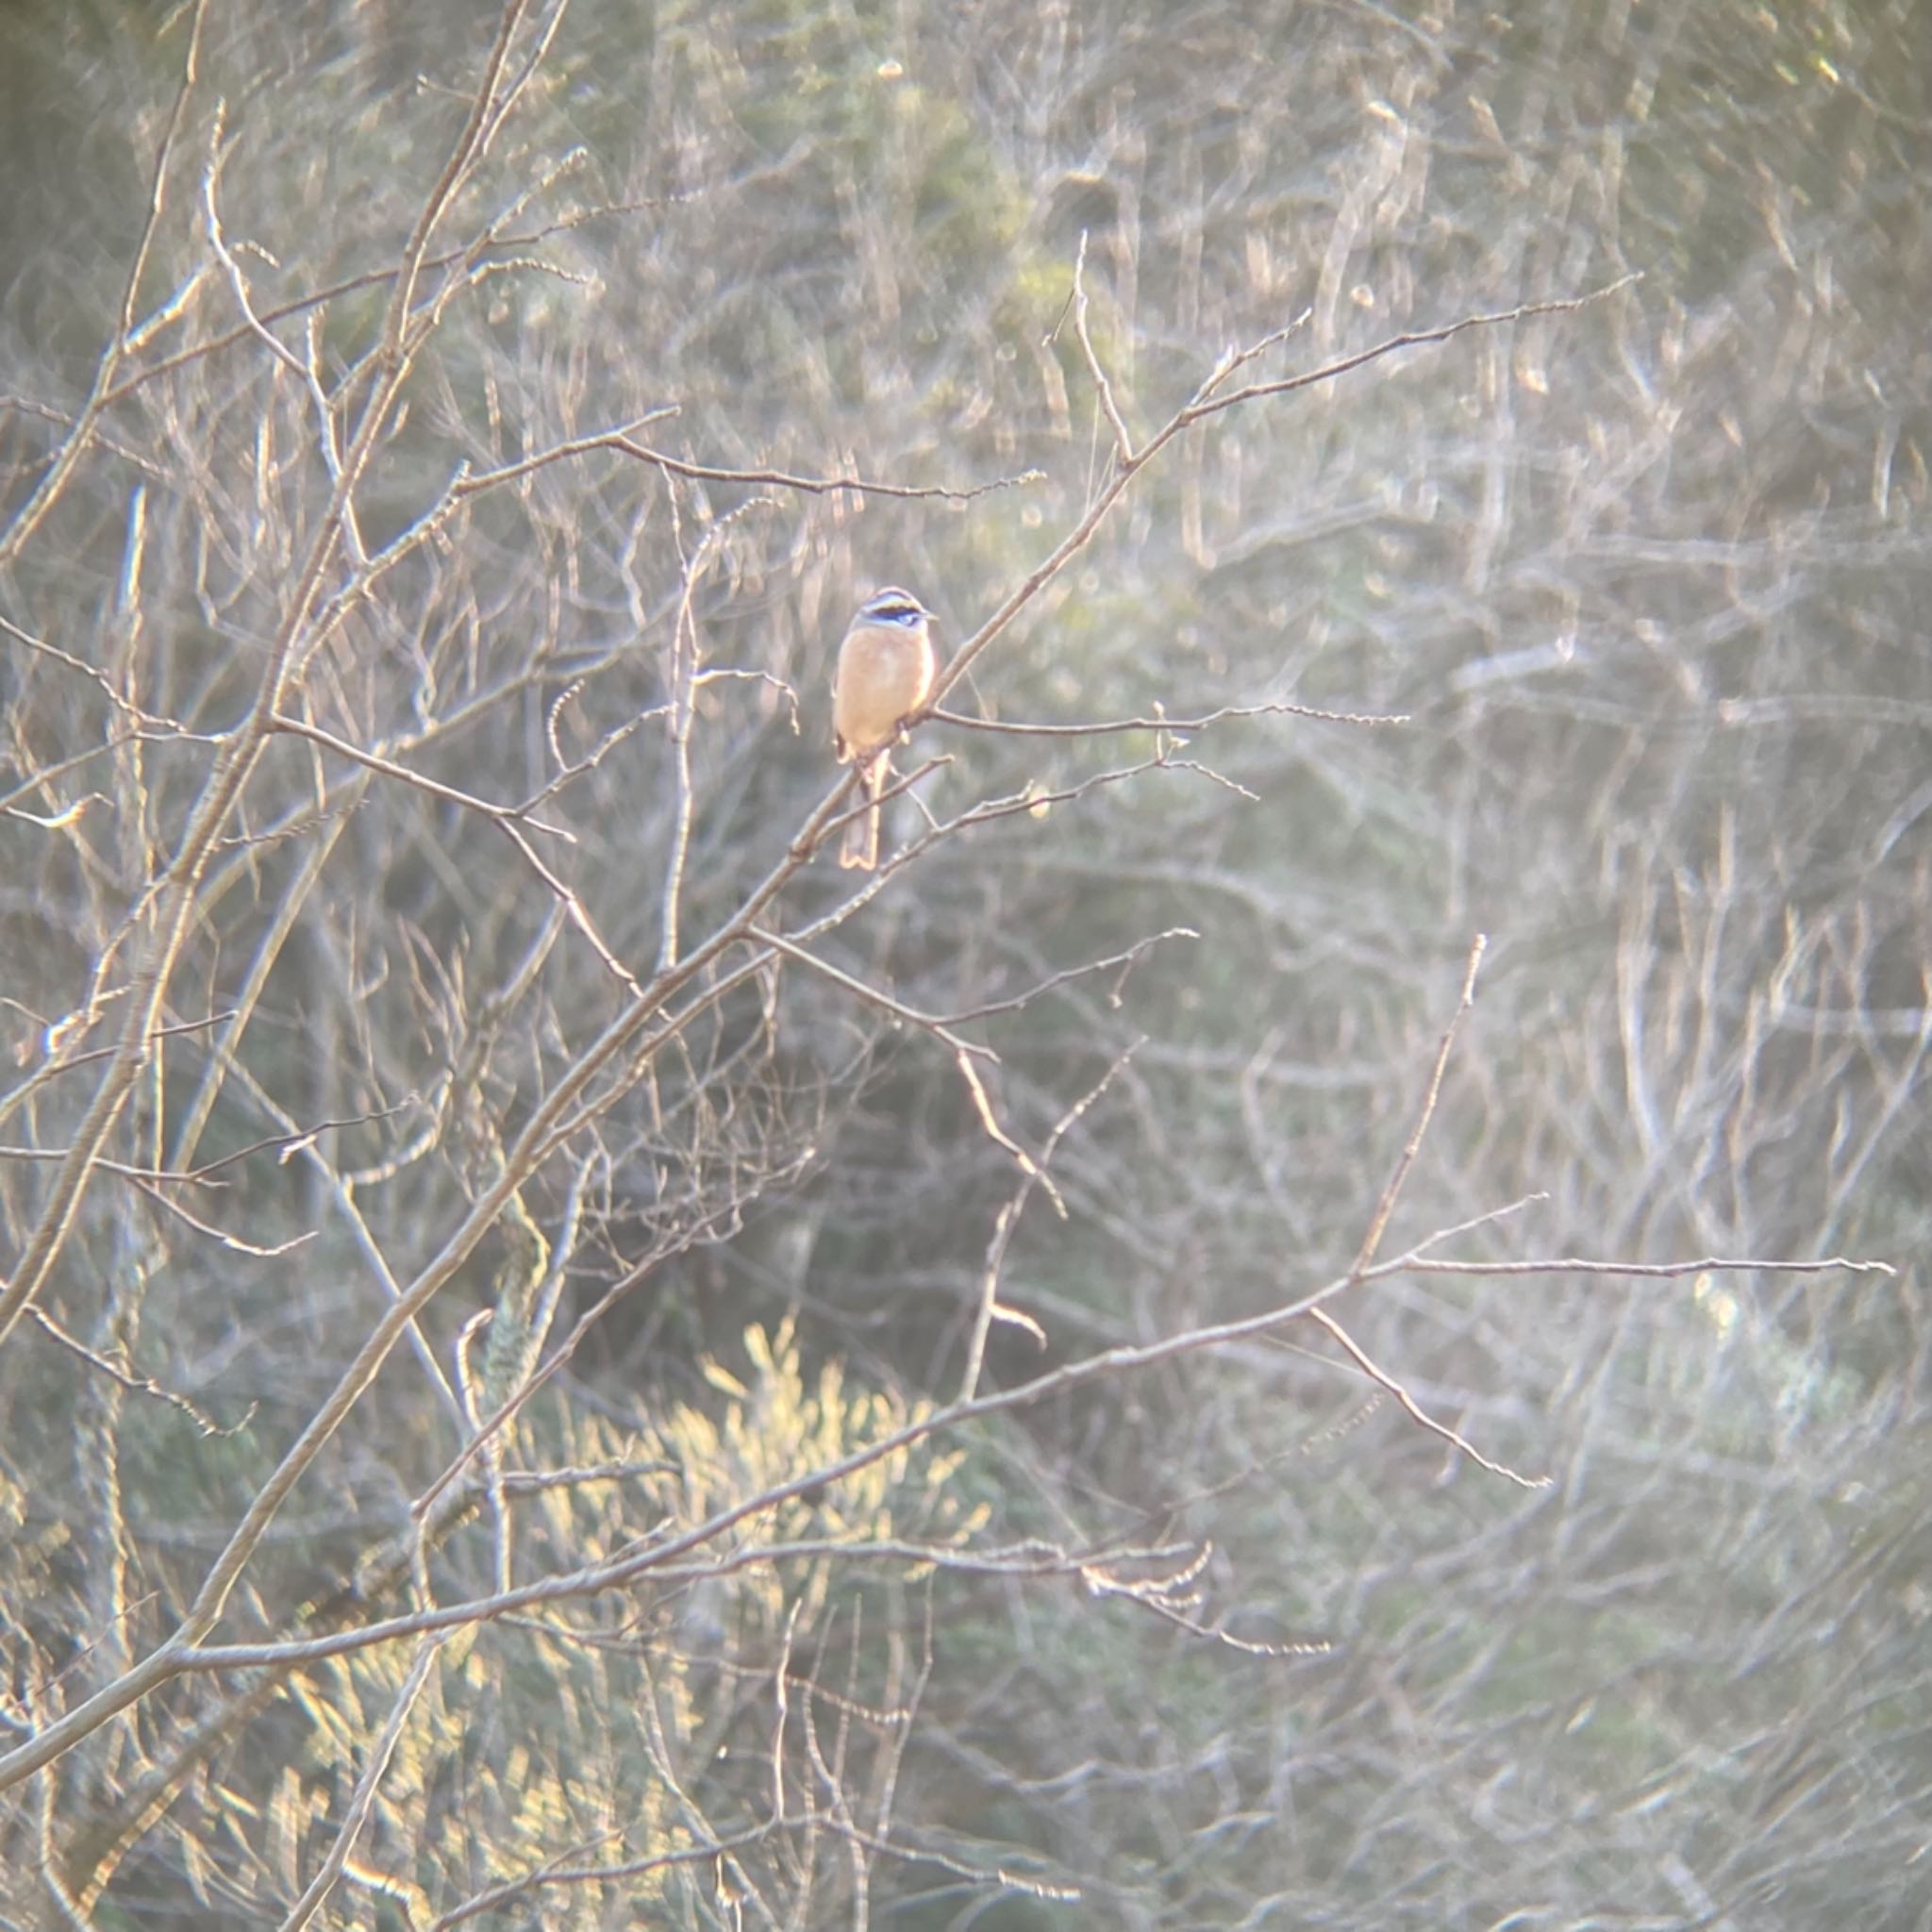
x,y
859,848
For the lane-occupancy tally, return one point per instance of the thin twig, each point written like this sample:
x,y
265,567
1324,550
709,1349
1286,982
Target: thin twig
x,y
1378,1373
151,722
435,788
137,1385
33,512
1125,961
871,995
990,1308
1651,1271
574,909
1160,722
989,1120
1205,404
363,1800
1378,1222
1123,442
177,1659
1410,339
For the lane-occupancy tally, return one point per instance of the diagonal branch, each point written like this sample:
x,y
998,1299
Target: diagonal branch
x,y
1378,1373
661,1560
1378,1222
33,512
871,995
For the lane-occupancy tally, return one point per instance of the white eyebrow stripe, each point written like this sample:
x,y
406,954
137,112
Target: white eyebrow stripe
x,y
893,606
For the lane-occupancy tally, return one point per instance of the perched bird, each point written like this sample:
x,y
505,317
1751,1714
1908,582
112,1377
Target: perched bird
x,y
886,668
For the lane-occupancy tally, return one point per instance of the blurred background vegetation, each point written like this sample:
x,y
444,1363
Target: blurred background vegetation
x,y
1648,579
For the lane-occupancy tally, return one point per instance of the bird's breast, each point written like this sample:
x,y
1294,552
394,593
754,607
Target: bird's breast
x,y
883,674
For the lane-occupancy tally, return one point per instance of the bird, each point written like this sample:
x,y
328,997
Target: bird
x,y
886,665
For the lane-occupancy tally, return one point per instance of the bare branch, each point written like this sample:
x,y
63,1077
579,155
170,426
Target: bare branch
x,y
449,795
662,1555
941,1031
990,1308
363,1799
1211,405
33,512
1160,722
1378,1221
139,1385
1376,1373
1123,442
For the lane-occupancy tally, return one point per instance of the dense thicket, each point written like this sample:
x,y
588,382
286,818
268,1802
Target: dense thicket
x,y
408,904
